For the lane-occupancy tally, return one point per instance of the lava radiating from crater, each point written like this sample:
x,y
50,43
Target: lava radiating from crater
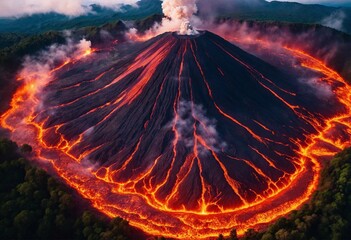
x,y
186,137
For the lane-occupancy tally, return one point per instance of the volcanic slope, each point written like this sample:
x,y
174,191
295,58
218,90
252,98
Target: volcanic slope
x,y
190,123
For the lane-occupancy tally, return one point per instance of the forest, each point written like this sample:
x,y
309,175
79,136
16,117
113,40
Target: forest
x,y
35,205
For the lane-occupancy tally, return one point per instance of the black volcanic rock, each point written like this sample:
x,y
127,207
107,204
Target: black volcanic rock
x,y
192,122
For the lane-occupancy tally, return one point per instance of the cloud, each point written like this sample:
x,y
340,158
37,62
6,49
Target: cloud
x,y
9,8
114,4
180,13
28,7
269,42
179,17
36,72
317,87
335,20
46,59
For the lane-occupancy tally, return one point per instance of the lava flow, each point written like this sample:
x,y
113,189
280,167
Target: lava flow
x,y
186,136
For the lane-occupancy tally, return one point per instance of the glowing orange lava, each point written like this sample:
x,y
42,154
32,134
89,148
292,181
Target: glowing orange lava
x,y
144,208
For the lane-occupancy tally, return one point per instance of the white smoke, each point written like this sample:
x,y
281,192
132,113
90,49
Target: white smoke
x,y
82,47
179,13
179,18
38,67
36,73
317,87
335,20
192,119
19,8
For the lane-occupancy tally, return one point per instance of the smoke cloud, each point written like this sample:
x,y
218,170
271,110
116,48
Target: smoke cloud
x,y
335,20
46,60
269,43
67,7
317,87
192,120
36,71
185,16
316,40
179,9
36,74
179,18
180,12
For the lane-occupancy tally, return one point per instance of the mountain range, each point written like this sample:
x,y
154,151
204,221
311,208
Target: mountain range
x,y
246,10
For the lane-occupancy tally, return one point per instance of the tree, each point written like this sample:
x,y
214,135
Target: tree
x,y
282,234
23,223
233,235
250,234
25,148
220,237
36,206
267,236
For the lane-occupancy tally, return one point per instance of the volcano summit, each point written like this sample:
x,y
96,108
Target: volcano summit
x,y
186,136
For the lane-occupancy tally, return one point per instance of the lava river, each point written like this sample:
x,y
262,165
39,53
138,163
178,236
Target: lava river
x,y
185,137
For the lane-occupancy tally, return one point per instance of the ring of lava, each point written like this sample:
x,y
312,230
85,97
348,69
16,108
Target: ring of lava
x,y
184,137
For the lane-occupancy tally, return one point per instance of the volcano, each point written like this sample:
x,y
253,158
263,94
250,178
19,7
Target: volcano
x,y
192,121
183,129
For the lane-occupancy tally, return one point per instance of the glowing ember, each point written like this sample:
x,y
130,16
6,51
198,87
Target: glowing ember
x,y
187,137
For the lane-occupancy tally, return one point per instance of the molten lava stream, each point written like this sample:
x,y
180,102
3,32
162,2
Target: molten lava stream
x,y
144,208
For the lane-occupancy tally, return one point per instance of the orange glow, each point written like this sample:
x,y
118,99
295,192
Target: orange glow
x,y
138,200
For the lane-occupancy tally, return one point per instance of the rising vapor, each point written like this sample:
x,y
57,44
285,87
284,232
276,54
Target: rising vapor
x,y
335,20
179,16
37,72
181,12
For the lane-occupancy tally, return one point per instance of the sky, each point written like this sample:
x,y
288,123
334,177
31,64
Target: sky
x,y
327,2
323,1
11,8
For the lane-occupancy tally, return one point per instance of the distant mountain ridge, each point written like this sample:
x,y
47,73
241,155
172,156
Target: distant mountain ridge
x,y
290,12
39,23
259,10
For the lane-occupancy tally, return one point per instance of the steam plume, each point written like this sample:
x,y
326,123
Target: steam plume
x,y
188,114
37,73
180,12
335,20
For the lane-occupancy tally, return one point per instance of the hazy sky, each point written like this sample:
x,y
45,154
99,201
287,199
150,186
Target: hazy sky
x,y
9,8
335,2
